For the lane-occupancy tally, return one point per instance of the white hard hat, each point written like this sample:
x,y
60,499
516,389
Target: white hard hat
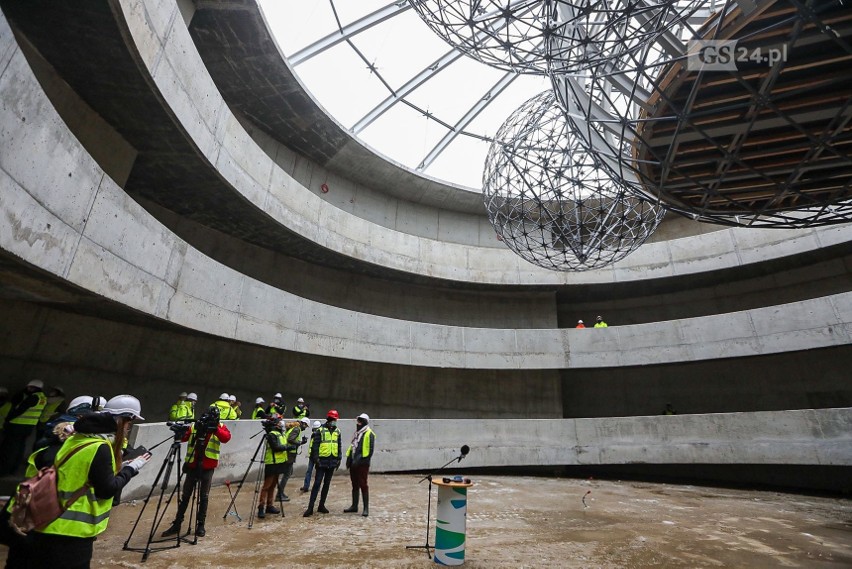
x,y
36,383
579,321
124,405
277,396
224,397
182,394
300,400
316,425
232,398
259,400
305,421
365,417
90,403
192,397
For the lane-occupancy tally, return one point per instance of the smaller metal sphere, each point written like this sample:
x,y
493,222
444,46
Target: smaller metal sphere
x,y
550,201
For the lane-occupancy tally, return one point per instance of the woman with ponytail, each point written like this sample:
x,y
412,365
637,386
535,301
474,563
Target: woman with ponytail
x,y
88,460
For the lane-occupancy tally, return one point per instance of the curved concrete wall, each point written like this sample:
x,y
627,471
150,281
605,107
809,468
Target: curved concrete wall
x,y
69,219
811,437
167,54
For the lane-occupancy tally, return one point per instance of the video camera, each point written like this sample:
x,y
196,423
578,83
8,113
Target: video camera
x,y
209,421
178,427
271,423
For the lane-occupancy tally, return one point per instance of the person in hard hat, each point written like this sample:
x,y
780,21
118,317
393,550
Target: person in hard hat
x,y
300,409
274,463
259,411
358,457
599,322
325,452
79,406
276,406
25,411
204,439
235,407
178,408
580,324
187,412
55,399
295,439
306,486
226,412
87,457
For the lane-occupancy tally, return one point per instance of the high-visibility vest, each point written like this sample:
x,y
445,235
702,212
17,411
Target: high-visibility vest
x,y
4,411
287,438
601,325
328,442
256,414
31,415
184,412
89,515
299,413
271,457
225,410
175,411
365,443
211,452
50,408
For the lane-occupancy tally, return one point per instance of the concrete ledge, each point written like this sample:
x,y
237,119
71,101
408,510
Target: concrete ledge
x,y
809,437
69,219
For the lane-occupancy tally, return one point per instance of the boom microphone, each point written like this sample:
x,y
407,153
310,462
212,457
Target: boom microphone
x,y
464,450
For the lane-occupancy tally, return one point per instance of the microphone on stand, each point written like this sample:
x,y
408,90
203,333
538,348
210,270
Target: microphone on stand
x,y
464,450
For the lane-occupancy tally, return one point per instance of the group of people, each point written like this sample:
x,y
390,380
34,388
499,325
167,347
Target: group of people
x,y
230,408
324,459
28,411
599,323
87,444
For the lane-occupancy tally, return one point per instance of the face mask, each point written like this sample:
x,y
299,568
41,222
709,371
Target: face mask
x,y
332,423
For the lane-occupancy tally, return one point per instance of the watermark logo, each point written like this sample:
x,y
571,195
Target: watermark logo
x,y
726,55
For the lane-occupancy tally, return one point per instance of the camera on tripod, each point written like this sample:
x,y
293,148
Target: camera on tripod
x,y
271,423
178,427
209,421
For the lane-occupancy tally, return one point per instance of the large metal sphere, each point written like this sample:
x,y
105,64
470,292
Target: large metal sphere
x,y
549,200
751,128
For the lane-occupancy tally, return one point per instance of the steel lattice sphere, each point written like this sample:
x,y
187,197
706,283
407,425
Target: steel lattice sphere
x,y
753,127
551,203
527,36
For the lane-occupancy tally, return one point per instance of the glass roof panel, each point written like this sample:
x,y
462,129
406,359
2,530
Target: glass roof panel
x,y
391,60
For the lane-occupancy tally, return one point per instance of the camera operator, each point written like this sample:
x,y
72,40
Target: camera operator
x,y
211,433
275,462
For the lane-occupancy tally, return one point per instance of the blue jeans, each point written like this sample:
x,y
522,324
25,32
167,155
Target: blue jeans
x,y
310,471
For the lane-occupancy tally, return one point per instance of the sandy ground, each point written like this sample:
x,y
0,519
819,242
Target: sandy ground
x,y
512,522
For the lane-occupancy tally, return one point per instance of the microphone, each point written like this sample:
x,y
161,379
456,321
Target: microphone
x,y
464,450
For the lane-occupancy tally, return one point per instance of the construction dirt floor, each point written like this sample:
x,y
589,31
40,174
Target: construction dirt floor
x,y
511,522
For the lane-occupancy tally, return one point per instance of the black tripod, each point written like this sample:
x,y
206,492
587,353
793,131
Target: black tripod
x,y
427,546
163,474
257,484
192,495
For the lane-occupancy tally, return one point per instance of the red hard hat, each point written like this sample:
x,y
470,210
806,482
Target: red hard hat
x,y
333,414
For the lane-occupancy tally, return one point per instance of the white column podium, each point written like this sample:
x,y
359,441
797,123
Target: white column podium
x,y
451,522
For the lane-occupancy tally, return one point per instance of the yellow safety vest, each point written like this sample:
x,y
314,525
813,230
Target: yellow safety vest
x,y
31,415
4,411
271,457
212,450
299,413
183,412
88,516
328,442
50,408
258,410
365,443
175,411
225,410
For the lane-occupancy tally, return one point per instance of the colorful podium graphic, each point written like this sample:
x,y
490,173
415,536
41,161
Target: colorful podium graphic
x,y
451,523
